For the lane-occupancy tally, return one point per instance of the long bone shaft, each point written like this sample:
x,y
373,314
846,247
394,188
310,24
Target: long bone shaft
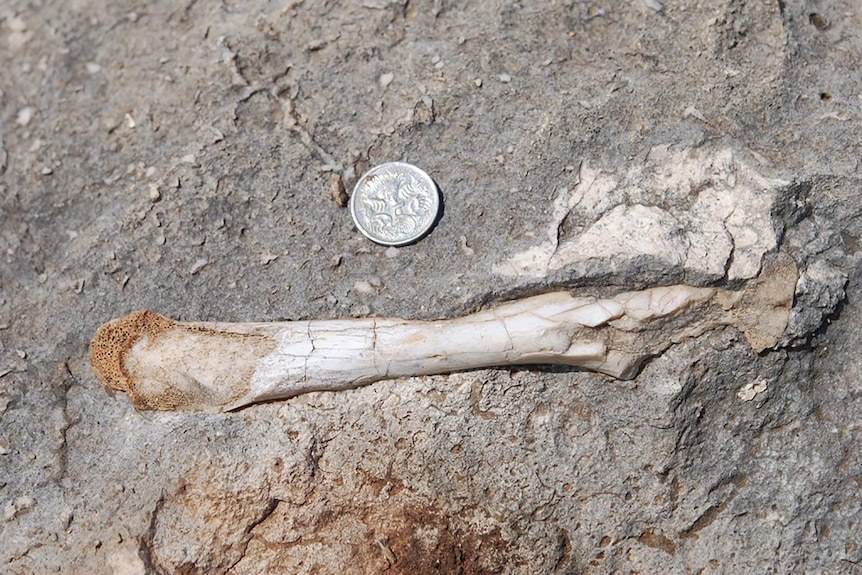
x,y
169,365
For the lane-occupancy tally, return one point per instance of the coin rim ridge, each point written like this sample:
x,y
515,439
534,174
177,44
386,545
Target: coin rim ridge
x,y
415,237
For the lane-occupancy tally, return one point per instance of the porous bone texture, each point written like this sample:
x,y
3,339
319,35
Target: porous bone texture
x,y
173,366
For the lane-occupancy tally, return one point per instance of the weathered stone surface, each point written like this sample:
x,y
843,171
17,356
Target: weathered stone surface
x,y
179,157
698,212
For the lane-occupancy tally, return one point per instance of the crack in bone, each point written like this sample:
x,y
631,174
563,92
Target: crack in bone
x,y
163,364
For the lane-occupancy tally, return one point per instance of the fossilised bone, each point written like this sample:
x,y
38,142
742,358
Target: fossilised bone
x,y
168,365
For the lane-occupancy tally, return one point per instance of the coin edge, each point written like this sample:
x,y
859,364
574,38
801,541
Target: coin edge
x,y
415,237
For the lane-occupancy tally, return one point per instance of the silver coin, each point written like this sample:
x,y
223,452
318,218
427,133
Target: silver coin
x,y
394,204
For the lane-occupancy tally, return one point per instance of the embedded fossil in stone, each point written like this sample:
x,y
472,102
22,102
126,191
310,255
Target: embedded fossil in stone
x,y
168,365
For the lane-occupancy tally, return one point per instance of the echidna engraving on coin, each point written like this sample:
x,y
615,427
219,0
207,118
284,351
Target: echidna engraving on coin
x,y
395,204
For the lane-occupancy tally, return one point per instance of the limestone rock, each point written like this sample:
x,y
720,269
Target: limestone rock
x,y
637,145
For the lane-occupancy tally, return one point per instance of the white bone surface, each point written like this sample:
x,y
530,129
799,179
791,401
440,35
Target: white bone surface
x,y
164,364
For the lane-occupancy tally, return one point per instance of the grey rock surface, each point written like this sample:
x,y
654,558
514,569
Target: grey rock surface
x,y
180,156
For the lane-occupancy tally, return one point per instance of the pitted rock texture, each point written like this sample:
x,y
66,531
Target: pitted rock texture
x,y
179,157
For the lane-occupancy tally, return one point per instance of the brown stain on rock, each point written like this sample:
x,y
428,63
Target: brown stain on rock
x,y
405,536
453,549
657,540
705,520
